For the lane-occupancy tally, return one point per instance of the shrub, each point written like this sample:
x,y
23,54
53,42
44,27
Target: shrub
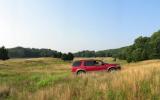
x,y
67,57
3,53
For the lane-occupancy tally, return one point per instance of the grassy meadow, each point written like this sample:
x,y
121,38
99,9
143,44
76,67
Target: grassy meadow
x,y
51,79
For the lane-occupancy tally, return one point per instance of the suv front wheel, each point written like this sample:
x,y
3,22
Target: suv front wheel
x,y
111,70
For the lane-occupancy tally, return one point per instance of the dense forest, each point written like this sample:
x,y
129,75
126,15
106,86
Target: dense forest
x,y
20,52
144,48
102,53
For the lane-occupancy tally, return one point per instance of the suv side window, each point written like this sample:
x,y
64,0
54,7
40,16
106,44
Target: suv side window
x,y
89,63
76,64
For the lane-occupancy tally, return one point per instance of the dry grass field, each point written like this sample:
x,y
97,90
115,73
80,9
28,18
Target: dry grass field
x,y
51,79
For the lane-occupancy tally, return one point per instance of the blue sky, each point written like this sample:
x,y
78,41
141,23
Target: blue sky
x,y
74,25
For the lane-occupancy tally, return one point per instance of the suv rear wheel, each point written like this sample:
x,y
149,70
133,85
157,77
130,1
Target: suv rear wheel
x,y
81,72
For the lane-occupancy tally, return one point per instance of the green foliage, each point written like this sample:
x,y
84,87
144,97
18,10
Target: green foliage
x,y
70,56
100,54
67,57
20,52
3,53
57,55
49,80
144,48
103,53
85,53
155,42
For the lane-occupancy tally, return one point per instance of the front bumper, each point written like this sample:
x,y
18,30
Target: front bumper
x,y
118,68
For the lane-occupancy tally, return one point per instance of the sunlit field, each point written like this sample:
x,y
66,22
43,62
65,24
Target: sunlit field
x,y
51,79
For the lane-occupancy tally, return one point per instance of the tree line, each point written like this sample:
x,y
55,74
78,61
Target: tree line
x,y
144,48
4,53
20,52
103,53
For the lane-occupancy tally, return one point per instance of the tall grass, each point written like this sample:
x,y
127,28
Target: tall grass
x,y
142,83
136,81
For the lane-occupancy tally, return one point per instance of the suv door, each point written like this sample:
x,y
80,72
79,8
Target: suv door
x,y
90,65
100,65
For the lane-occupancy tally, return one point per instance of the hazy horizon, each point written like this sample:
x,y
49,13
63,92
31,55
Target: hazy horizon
x,y
71,26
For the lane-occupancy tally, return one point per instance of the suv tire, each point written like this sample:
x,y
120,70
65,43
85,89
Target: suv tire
x,y
111,70
81,72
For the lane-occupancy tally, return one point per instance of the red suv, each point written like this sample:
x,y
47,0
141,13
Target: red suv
x,y
83,66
